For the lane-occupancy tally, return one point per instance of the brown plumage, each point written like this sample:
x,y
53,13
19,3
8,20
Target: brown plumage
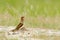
x,y
19,25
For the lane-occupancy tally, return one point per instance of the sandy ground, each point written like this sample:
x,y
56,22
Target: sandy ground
x,y
31,34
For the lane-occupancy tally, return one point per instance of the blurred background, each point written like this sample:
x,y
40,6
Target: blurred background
x,y
37,13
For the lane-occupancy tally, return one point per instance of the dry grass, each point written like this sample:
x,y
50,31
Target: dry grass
x,y
35,34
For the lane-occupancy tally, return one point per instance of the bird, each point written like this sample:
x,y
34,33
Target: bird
x,y
19,25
